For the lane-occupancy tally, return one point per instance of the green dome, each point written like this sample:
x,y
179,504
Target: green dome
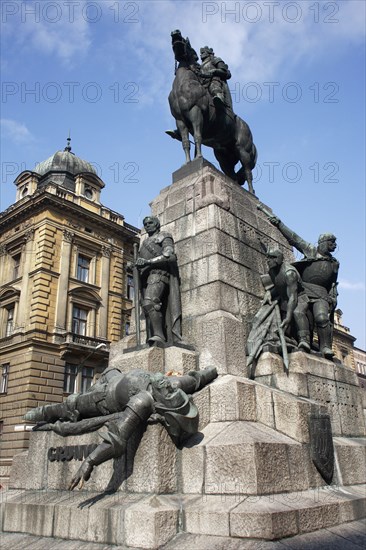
x,y
64,161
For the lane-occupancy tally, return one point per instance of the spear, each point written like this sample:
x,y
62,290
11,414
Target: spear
x,y
136,281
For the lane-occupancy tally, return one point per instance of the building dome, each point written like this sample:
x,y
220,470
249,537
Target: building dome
x,y
64,161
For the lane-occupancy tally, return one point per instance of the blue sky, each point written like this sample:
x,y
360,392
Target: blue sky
x,y
104,69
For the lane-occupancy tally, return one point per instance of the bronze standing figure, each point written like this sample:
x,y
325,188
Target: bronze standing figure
x,y
159,285
319,271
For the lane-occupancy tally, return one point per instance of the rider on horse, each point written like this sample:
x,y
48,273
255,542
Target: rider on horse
x,y
218,72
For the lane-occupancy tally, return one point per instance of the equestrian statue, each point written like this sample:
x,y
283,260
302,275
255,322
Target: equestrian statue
x,y
201,104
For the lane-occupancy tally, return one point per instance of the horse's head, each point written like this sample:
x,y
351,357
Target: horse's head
x,y
183,51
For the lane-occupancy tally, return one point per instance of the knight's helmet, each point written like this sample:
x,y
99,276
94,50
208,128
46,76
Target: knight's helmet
x,y
180,413
182,421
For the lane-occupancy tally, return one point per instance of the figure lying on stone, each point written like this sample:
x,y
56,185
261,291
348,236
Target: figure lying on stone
x,y
122,403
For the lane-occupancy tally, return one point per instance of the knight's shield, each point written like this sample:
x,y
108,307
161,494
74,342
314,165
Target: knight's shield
x,y
321,445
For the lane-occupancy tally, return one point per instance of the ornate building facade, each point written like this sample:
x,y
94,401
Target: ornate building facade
x,y
65,290
343,341
345,350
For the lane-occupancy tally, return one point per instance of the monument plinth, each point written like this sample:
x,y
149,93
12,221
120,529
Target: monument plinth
x,y
218,232
256,437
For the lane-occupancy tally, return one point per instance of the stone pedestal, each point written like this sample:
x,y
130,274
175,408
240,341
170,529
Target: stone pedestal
x,y
330,384
172,359
217,231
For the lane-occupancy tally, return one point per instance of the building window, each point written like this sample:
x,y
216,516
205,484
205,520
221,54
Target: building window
x,y
88,193
79,320
4,378
1,428
16,266
130,287
127,328
10,321
71,372
83,268
87,375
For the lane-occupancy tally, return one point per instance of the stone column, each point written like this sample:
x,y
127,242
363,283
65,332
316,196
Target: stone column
x,y
63,282
103,311
3,253
27,251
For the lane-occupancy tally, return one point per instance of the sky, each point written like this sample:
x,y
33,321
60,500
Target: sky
x,y
103,70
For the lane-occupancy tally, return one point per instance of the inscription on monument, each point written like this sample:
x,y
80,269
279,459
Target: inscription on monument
x,y
76,452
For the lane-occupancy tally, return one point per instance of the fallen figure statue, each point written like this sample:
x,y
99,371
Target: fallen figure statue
x,y
123,402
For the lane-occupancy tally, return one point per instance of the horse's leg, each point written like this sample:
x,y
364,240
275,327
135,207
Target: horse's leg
x,y
226,163
185,139
249,177
196,118
245,173
245,152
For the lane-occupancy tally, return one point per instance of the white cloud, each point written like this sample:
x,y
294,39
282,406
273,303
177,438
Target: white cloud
x,y
258,51
349,285
16,131
51,30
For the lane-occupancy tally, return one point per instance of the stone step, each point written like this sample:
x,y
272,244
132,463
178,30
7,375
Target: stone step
x,y
246,458
350,459
348,536
231,398
140,521
174,358
95,517
275,516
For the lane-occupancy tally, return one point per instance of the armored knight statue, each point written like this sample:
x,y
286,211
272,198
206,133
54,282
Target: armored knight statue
x,y
217,73
159,285
319,271
283,310
122,403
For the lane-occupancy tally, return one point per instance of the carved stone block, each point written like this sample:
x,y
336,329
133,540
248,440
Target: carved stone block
x,y
294,383
154,447
149,359
179,360
209,515
31,512
18,473
193,457
233,398
268,364
209,298
247,458
151,522
292,415
218,336
202,400
263,517
86,517
351,457
264,405
36,470
61,472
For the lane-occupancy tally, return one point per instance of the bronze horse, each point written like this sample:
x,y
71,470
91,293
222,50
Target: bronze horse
x,y
193,109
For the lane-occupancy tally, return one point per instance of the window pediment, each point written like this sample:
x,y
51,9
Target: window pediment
x,y
85,295
9,294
